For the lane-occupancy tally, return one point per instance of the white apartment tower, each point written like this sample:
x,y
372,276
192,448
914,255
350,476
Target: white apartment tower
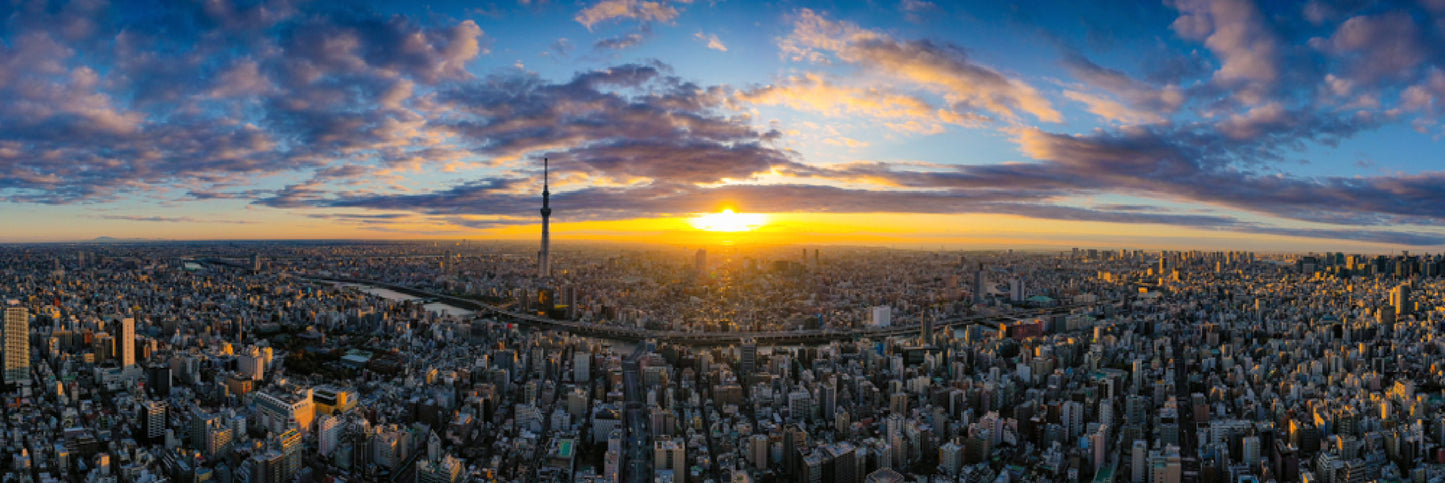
x,y
882,316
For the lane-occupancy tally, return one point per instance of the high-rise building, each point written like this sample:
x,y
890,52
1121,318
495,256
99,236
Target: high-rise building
x,y
544,267
290,443
840,462
748,361
978,285
758,451
1139,461
328,432
17,344
127,342
153,420
1400,300
828,398
251,363
1015,290
669,454
925,328
882,316
211,434
950,457
158,380
581,366
1251,450
699,264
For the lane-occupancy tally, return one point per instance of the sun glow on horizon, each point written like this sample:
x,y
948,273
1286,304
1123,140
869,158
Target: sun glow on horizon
x,y
728,221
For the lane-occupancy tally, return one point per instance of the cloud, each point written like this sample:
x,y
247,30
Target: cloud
x,y
625,122
624,41
1238,34
206,94
1143,103
813,92
562,47
712,41
1171,164
1112,110
607,10
171,219
222,100
966,86
914,10
1377,47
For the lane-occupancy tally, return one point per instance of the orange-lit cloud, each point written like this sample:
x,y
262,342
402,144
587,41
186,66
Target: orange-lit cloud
x,y
812,92
938,67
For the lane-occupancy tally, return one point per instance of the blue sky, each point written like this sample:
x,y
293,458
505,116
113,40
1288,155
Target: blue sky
x,y
1252,125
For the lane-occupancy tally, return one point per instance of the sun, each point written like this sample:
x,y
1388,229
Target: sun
x,y
728,221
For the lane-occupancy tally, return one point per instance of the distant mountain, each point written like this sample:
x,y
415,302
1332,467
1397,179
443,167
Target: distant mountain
x,y
111,239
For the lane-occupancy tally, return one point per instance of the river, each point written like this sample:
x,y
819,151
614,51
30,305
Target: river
x,y
389,294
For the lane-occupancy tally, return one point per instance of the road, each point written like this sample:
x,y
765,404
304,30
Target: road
x,y
637,467
1186,404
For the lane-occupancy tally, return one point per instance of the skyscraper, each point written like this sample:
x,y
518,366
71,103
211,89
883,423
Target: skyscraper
x,y
758,451
978,285
290,443
700,264
127,342
748,361
582,366
925,326
328,431
544,268
17,344
1400,301
153,417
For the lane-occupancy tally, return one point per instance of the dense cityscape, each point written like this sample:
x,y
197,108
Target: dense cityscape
x,y
292,361
743,241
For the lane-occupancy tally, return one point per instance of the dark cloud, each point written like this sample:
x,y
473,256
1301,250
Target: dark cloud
x,y
202,93
624,122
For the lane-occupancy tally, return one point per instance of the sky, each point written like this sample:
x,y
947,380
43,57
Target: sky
x,y
1224,124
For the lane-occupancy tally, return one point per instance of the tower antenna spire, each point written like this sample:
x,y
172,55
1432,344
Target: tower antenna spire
x,y
544,266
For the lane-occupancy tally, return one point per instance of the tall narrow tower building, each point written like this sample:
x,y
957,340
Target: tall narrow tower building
x,y
544,268
17,344
127,342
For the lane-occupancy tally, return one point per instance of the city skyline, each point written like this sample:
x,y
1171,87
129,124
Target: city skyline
x,y
1222,124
